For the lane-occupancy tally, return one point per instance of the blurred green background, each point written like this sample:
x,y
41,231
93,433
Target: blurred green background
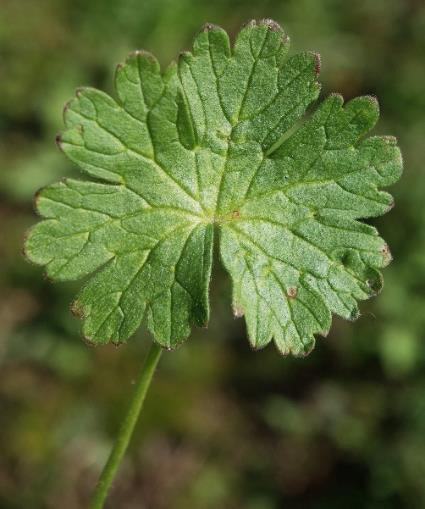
x,y
223,427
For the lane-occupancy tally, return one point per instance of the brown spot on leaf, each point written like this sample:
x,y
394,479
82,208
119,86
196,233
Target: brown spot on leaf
x,y
291,292
89,341
141,53
271,24
385,251
24,245
317,63
37,198
66,107
237,312
208,26
236,214
77,310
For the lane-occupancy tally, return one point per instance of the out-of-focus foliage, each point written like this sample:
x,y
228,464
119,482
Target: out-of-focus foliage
x,y
223,427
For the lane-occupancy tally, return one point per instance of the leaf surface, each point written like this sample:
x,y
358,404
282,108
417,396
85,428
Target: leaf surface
x,y
219,144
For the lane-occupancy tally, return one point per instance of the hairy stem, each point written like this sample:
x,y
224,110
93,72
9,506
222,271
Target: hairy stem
x,y
127,427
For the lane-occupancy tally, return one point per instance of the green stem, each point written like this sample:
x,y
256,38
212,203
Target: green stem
x,y
127,428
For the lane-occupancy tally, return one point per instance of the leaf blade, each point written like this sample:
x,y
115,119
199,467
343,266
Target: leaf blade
x,y
219,141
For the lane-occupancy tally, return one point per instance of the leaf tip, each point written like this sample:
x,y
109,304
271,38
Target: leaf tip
x,y
48,277
317,62
249,24
376,281
354,314
391,205
142,53
374,104
386,254
256,346
66,108
206,27
390,140
372,99
88,341
117,343
24,249
58,140
77,310
300,351
366,108
308,348
272,25
185,56
36,200
337,96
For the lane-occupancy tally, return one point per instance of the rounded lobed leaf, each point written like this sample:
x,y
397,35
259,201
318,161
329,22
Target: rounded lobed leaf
x,y
218,142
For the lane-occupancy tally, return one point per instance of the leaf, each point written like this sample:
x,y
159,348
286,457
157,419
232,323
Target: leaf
x,y
218,143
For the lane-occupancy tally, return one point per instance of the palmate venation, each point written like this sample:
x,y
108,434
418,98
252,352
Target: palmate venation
x,y
218,144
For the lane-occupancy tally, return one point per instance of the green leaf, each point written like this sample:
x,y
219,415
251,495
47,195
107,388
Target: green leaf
x,y
218,143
